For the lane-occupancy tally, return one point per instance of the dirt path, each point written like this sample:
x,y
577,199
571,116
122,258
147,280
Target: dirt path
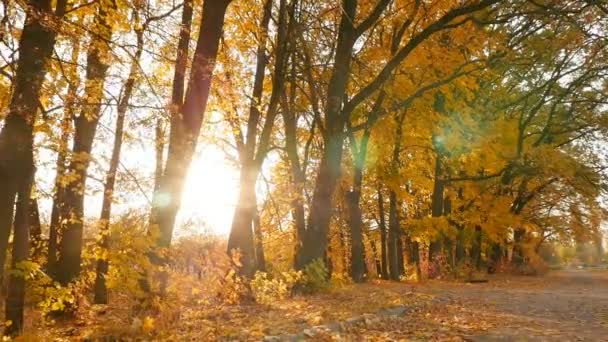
x,y
561,306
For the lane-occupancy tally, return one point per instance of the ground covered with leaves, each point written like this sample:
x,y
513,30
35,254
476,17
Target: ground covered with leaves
x,y
563,305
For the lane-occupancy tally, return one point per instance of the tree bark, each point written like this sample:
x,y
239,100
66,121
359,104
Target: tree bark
x,y
298,177
383,239
315,240
259,244
16,280
186,124
436,207
16,138
35,229
68,265
476,248
241,235
16,148
101,291
55,226
357,260
393,237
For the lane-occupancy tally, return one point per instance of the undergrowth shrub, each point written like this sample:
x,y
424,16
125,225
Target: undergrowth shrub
x,y
267,288
439,267
316,277
339,280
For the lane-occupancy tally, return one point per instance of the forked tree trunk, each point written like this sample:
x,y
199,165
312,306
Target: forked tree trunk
x,y
252,158
55,226
68,265
186,123
314,243
177,95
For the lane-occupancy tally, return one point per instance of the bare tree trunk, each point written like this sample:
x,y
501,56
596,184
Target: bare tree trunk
x,y
436,207
35,48
259,243
476,248
159,153
241,236
62,153
16,148
101,291
68,265
383,239
186,124
35,229
314,242
354,196
394,229
298,177
16,280
393,237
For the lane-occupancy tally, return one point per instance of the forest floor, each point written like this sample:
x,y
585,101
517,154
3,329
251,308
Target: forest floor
x,y
568,305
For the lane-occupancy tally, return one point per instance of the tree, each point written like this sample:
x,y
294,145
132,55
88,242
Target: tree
x,y
186,122
16,146
251,156
98,62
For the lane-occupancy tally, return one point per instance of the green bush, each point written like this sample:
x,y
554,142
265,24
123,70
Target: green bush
x,y
316,276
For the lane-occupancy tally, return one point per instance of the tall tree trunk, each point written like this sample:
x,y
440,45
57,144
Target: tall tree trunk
x,y
374,249
259,244
101,291
241,235
436,207
383,239
393,237
35,229
186,124
16,280
518,253
16,148
400,252
298,176
460,247
55,226
159,149
68,265
394,230
354,196
16,138
476,248
314,242
356,248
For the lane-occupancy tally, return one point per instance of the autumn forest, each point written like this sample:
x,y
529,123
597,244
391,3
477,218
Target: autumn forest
x,y
258,169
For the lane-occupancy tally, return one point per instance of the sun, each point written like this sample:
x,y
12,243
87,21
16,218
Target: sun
x,y
210,192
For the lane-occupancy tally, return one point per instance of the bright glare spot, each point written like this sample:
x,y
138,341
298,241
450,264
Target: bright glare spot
x,y
162,199
210,192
